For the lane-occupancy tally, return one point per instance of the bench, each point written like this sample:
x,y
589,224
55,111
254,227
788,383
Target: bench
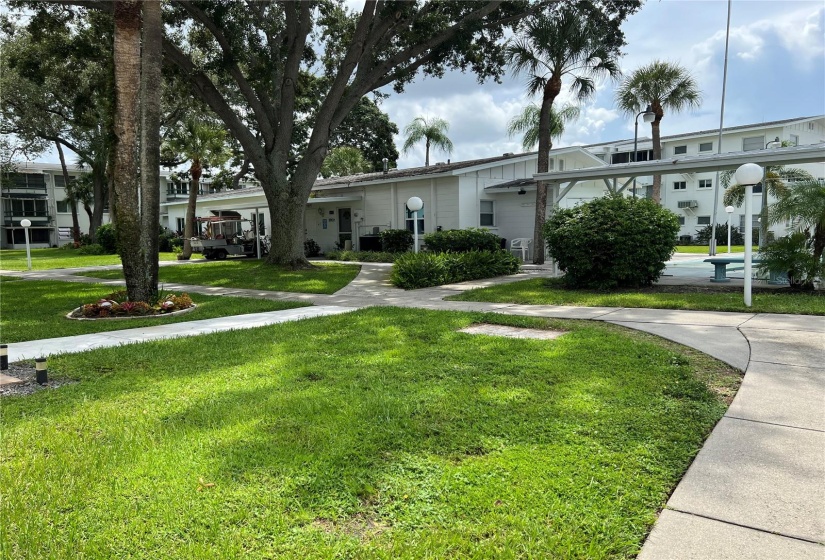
x,y
720,265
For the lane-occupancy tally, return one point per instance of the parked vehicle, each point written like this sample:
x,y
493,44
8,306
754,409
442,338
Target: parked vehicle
x,y
225,236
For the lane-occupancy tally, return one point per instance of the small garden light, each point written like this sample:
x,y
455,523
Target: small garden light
x,y
4,357
41,371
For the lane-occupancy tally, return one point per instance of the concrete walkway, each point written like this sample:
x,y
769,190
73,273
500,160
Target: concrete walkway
x,y
756,490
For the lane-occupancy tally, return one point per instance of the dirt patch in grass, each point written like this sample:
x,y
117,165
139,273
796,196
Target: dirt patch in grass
x,y
360,526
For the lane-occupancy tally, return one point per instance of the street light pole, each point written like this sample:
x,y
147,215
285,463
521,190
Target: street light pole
x,y
649,115
763,211
729,210
26,223
414,204
748,175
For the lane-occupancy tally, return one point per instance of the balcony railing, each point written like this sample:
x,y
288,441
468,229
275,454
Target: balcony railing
x,y
37,218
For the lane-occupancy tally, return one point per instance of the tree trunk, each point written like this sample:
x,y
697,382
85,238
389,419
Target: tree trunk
x,y
100,197
288,231
657,151
189,225
69,195
151,93
137,199
551,90
427,153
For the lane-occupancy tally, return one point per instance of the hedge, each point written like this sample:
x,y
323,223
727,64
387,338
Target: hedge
x,y
422,270
462,241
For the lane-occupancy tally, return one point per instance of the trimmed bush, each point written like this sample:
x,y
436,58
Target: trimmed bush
x,y
92,249
362,256
462,241
794,256
612,242
165,241
106,238
396,240
311,248
422,270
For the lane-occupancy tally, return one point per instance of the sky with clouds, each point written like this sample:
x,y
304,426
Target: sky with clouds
x,y
776,70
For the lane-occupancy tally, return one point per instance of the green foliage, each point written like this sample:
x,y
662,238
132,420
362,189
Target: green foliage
x,y
612,242
422,270
703,235
311,248
107,238
167,241
794,256
343,161
370,130
396,240
362,256
527,123
92,249
462,240
432,131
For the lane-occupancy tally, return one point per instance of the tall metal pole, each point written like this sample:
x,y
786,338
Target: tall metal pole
x,y
712,250
748,242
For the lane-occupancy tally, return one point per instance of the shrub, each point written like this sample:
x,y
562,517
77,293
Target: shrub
x,y
362,256
311,248
166,241
396,240
93,249
106,238
703,235
422,270
462,241
612,242
794,256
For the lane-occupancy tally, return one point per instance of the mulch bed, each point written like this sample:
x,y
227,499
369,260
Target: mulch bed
x,y
25,371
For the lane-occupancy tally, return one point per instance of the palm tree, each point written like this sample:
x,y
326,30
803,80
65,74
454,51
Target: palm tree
x,y
804,203
434,133
775,187
343,161
550,48
527,123
663,86
204,145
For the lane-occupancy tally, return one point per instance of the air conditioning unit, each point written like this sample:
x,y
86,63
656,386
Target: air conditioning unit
x,y
688,204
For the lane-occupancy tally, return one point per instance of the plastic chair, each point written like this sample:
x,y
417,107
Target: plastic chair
x,y
521,244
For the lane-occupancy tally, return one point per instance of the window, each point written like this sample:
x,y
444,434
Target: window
x,y
706,147
420,215
60,183
561,164
36,235
63,206
679,185
177,188
487,216
703,220
681,220
754,223
794,140
180,225
705,183
679,150
27,207
753,143
757,188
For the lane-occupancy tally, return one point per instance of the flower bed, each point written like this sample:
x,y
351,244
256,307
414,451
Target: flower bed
x,y
117,306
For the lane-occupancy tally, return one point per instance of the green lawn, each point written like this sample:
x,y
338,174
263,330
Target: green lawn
x,y
323,278
382,433
720,249
35,309
541,291
43,259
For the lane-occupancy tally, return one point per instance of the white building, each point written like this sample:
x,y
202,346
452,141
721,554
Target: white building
x,y
496,193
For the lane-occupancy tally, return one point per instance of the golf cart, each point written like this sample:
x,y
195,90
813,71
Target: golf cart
x,y
224,236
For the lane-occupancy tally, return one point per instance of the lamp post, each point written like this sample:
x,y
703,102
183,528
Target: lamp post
x,y
26,223
649,115
763,234
748,175
414,204
729,210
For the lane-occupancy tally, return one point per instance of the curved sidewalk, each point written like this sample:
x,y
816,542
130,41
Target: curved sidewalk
x,y
756,490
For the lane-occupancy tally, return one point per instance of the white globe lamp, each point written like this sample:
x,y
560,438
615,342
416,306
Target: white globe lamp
x,y
26,223
414,204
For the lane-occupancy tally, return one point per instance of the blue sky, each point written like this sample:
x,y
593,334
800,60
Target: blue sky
x,y
776,70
